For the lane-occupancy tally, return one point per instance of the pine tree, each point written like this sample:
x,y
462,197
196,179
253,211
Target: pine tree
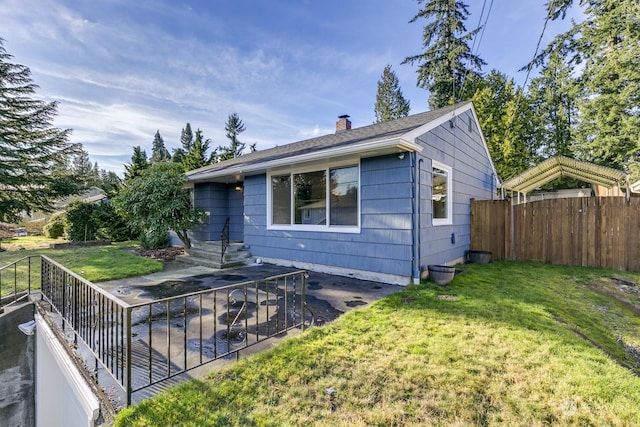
x,y
186,142
554,96
234,128
33,153
82,168
138,163
186,138
390,104
506,122
605,45
196,157
159,152
447,60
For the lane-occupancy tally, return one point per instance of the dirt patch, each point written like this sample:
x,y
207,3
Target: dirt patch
x,y
164,254
623,289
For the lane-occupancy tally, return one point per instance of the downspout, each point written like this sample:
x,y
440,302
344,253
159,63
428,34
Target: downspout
x,y
419,217
413,214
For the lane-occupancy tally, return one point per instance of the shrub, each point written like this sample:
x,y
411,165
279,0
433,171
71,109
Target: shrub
x,y
80,224
55,227
111,225
154,239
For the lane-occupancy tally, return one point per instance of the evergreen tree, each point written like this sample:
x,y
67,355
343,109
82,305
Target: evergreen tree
x,y
234,128
196,157
159,153
507,123
109,181
390,104
186,138
186,142
553,99
447,60
138,163
33,153
82,168
605,45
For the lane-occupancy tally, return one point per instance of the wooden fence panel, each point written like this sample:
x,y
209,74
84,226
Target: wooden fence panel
x,y
599,232
490,223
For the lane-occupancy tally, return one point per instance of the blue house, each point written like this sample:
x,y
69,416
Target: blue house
x,y
379,202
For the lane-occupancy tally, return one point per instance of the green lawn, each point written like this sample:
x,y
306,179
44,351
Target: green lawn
x,y
518,344
94,263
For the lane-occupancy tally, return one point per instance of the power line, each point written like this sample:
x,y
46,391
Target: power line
x,y
544,27
473,46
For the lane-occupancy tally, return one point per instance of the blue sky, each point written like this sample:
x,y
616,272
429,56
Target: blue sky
x,y
123,69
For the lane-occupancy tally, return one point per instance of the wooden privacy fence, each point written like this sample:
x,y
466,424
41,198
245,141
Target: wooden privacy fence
x,y
589,231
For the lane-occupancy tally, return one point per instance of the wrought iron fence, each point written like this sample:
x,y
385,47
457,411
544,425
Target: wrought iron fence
x,y
17,280
142,345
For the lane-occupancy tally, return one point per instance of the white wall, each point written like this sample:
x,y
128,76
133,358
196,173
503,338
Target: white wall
x,y
62,396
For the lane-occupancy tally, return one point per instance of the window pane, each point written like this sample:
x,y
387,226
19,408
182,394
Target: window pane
x,y
344,196
310,198
281,199
439,193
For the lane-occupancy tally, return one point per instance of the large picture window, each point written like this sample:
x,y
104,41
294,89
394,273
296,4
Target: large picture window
x,y
441,194
317,199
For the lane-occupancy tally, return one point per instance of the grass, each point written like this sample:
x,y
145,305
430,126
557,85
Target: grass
x,y
507,343
94,263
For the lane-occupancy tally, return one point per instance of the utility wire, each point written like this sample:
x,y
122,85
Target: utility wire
x,y
544,27
473,46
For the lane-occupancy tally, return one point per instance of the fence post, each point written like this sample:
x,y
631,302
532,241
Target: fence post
x,y
128,357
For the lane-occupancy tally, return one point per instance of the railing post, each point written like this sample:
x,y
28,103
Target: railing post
x,y
303,276
128,357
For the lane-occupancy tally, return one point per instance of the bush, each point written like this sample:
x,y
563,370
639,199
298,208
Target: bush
x,y
55,227
154,239
111,225
80,224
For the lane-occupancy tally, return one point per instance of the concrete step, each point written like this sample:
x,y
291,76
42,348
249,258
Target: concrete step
x,y
208,254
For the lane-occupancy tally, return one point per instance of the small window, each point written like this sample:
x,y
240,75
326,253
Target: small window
x,y
441,194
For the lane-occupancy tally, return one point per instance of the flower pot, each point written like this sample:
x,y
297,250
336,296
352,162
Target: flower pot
x,y
441,274
479,257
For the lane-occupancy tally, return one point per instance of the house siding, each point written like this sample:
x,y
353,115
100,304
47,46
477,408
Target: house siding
x,y
219,201
384,243
464,152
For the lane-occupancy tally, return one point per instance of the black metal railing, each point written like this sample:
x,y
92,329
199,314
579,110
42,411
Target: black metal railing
x,y
224,239
17,280
142,345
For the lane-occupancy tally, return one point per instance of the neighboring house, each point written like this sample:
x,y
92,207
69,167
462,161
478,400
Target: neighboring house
x,y
379,202
92,195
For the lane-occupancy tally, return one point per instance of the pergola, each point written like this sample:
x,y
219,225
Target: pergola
x,y
558,166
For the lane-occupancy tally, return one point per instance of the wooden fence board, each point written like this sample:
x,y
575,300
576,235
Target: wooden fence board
x,y
598,232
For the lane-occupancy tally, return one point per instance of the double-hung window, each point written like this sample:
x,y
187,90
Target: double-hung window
x,y
320,199
441,194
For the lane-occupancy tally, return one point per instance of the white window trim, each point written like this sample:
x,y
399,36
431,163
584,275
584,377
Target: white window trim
x,y
449,219
312,227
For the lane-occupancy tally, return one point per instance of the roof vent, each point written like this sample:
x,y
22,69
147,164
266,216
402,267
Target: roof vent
x,y
343,123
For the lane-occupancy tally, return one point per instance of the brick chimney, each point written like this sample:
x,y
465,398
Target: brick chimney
x,y
343,123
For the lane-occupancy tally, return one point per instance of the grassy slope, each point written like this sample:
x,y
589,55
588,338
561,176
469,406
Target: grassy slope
x,y
523,344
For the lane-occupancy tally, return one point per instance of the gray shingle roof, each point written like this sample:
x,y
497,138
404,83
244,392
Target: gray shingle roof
x,y
371,133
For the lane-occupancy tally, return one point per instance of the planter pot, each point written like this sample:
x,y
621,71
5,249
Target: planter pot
x,y
479,257
441,274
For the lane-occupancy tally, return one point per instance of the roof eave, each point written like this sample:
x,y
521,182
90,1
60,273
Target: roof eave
x,y
388,146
